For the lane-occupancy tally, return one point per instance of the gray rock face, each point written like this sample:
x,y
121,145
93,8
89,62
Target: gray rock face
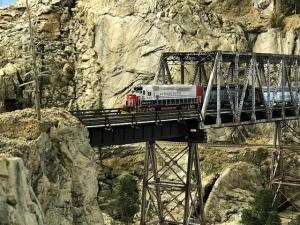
x,y
277,41
58,182
54,54
18,202
130,36
233,191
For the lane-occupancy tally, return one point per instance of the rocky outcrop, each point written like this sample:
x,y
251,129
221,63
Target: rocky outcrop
x,y
55,54
277,40
232,192
48,170
18,202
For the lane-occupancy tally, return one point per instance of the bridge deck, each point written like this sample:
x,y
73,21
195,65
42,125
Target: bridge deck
x,y
125,128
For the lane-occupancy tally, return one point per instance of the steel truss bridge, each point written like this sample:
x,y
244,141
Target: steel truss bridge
x,y
232,73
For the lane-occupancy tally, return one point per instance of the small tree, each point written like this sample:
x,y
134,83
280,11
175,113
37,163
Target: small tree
x,y
261,212
127,204
34,64
273,219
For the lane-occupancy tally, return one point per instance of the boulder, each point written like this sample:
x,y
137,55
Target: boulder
x,y
232,192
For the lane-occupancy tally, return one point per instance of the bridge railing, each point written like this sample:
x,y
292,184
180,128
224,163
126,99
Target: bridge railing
x,y
96,119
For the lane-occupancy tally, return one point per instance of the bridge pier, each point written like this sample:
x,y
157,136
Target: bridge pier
x,y
172,185
284,180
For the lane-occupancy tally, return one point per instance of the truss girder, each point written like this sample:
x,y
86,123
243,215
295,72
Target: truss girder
x,y
252,86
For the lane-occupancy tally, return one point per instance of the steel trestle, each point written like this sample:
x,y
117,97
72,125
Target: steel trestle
x,y
172,193
284,180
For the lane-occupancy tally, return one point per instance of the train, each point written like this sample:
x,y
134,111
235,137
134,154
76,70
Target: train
x,y
159,97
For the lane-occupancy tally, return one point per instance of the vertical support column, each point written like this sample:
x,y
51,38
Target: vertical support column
x,y
218,78
200,73
282,89
188,185
150,165
297,87
269,102
145,185
163,72
193,169
153,159
277,175
181,71
196,74
253,73
236,74
261,79
198,177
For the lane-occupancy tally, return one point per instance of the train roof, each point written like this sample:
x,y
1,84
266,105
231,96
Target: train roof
x,y
167,85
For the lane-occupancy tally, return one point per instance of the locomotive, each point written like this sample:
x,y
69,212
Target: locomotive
x,y
164,96
158,97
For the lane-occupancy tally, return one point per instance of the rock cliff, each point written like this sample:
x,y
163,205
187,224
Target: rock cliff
x,y
48,170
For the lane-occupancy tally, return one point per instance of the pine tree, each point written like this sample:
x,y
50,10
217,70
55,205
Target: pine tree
x,y
261,212
248,218
127,204
262,204
273,219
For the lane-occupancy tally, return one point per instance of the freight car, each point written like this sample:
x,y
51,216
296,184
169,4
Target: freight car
x,y
224,98
280,95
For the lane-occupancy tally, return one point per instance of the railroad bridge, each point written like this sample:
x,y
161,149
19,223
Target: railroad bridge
x,y
232,73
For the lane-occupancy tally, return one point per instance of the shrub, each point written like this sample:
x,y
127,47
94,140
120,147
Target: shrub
x,y
261,212
127,204
273,219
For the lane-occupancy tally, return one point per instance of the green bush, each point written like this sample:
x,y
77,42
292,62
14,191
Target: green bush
x,y
127,204
261,212
273,219
295,221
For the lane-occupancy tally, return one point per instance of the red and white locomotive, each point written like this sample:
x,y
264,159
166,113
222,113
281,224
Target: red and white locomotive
x,y
164,96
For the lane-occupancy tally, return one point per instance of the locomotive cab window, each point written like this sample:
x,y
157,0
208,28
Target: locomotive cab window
x,y
138,90
149,93
144,92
